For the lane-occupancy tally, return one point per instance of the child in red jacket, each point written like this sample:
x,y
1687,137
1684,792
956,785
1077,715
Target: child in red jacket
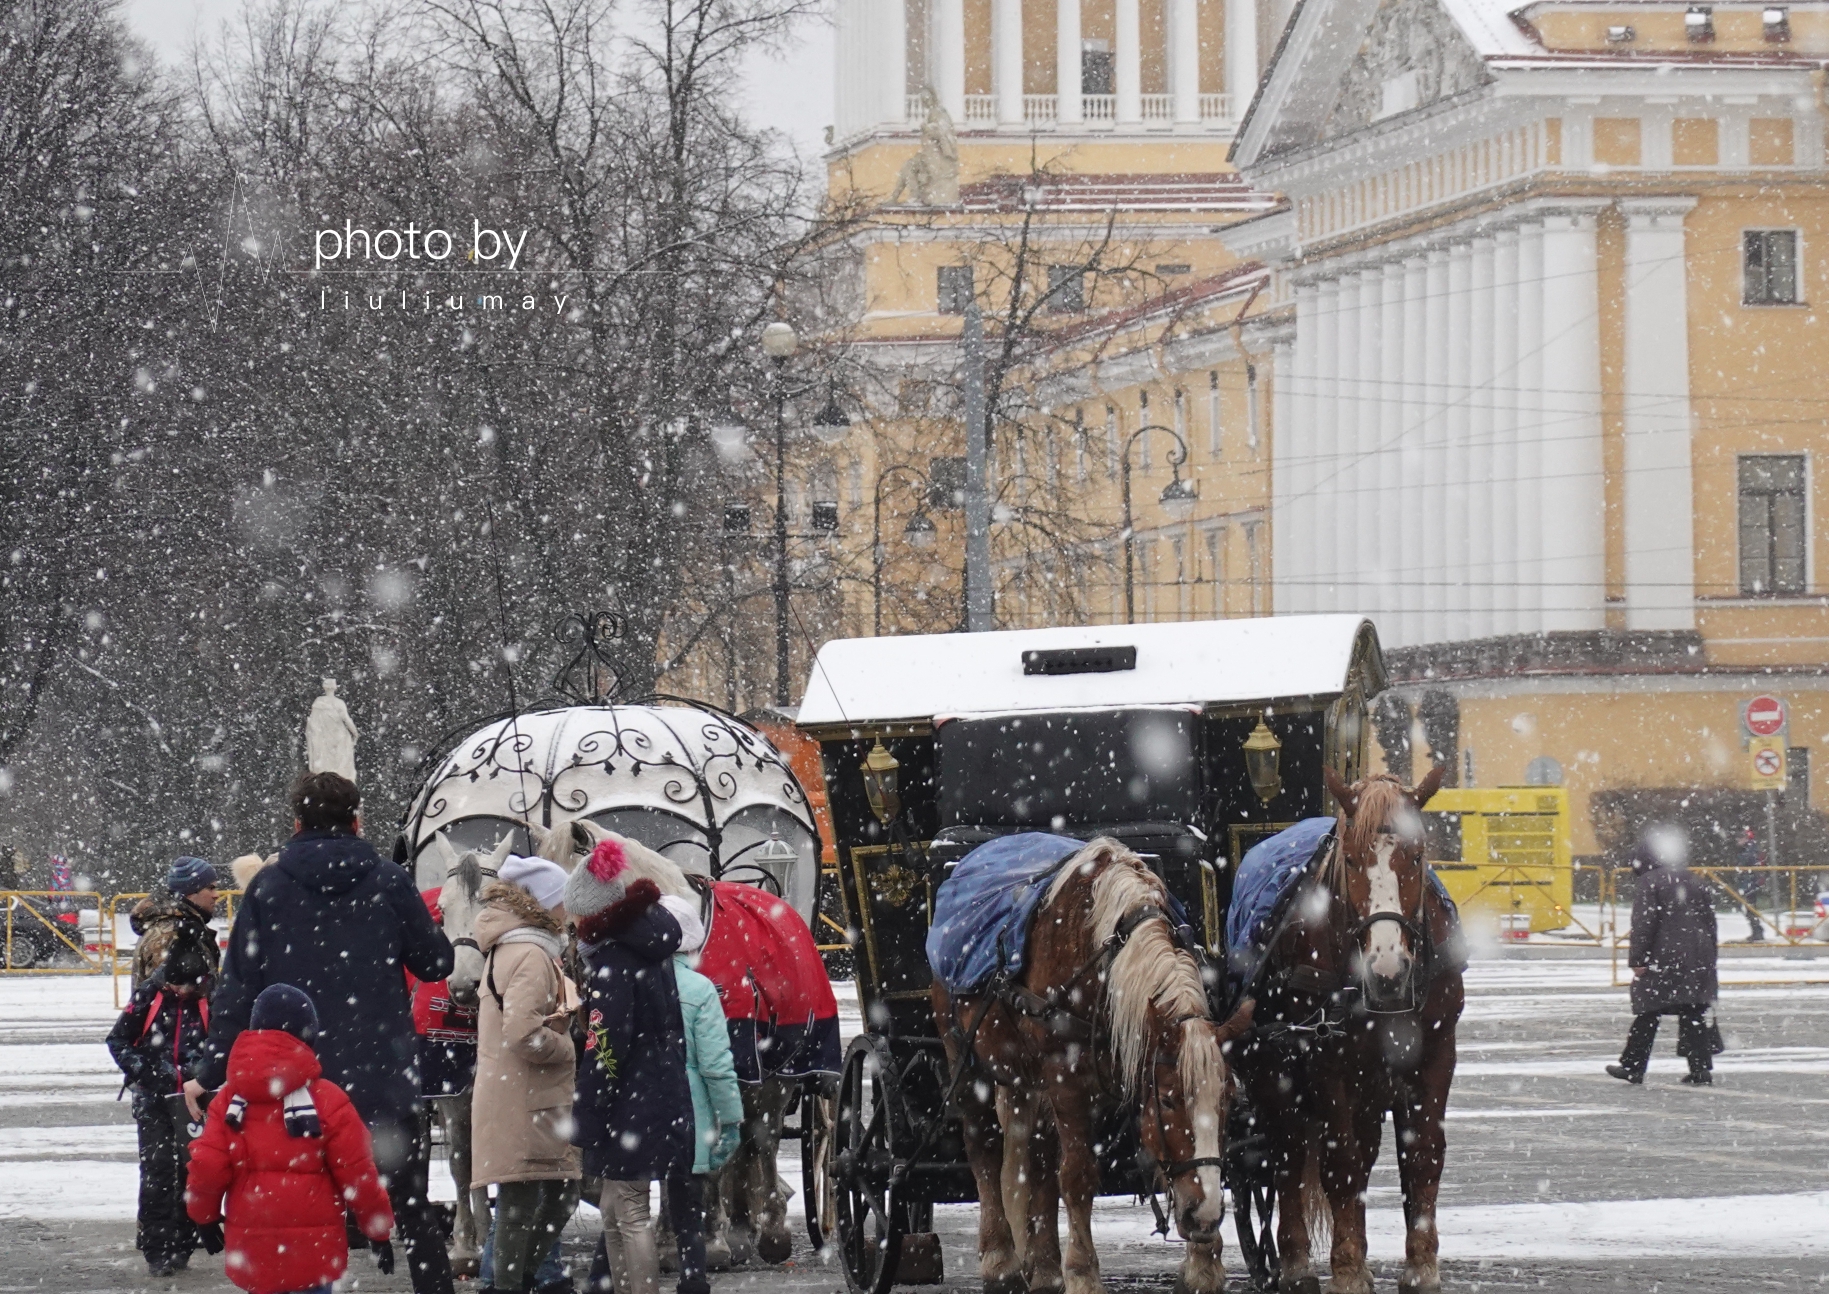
x,y
289,1151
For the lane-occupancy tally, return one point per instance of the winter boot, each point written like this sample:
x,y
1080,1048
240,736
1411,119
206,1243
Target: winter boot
x,y
1627,1075
1699,1078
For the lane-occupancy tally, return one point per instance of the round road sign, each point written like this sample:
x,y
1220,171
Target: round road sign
x,y
1768,763
1765,716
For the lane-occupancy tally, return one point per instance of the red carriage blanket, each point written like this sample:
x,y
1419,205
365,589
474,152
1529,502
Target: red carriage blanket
x,y
777,998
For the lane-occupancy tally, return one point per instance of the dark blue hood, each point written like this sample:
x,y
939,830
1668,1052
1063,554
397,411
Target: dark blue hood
x,y
330,862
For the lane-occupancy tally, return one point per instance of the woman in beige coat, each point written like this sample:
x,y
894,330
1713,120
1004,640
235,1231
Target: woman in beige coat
x,y
522,1108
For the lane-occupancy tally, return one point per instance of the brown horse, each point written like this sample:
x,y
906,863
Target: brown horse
x,y
1356,1009
1109,1009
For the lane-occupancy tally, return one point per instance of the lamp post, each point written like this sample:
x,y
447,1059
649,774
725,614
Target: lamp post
x,y
779,343
1178,499
919,536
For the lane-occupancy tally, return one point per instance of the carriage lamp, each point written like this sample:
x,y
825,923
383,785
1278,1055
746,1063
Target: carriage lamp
x,y
1263,758
777,852
879,771
1179,497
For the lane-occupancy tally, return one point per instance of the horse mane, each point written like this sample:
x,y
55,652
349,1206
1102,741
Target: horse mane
x,y
1149,969
469,873
1379,796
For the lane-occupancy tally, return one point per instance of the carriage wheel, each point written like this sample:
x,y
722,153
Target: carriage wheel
x,y
870,1219
818,1127
1256,1238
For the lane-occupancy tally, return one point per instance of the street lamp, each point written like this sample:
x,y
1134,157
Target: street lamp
x,y
1177,499
830,424
918,537
779,343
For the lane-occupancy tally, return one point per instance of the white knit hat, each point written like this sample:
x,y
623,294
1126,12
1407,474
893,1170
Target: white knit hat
x,y
540,878
692,930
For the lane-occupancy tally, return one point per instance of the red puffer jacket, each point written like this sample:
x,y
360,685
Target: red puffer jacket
x,y
285,1193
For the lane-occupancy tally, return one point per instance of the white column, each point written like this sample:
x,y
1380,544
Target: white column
x,y
1453,395
1241,54
1361,477
1478,423
1292,450
1327,424
893,34
1067,109
1431,563
1503,522
1529,538
1339,472
1660,543
1184,58
1282,371
1410,495
1574,494
1006,49
949,57
1128,69
1388,391
851,20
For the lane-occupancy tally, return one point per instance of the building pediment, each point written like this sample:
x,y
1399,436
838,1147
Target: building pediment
x,y
1345,65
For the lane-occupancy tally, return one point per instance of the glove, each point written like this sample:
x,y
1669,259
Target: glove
x,y
730,1136
384,1256
209,1235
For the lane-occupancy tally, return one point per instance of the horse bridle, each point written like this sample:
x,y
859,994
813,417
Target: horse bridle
x,y
466,941
1422,967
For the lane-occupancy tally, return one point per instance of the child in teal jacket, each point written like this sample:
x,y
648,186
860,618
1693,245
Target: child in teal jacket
x,y
717,1102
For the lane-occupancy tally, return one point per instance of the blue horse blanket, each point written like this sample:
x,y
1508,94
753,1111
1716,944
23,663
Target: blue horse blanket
x,y
982,911
1269,869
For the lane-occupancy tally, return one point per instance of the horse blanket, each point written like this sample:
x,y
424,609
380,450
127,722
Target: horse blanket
x,y
777,998
1265,879
982,911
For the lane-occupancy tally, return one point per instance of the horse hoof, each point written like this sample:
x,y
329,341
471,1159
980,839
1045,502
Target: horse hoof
x,y
1013,1283
465,1267
1418,1287
1299,1285
774,1247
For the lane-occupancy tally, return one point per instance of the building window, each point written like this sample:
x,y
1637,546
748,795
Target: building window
x,y
1215,440
1097,72
1797,776
1216,569
1178,549
856,481
1081,470
1251,408
956,287
1146,576
1066,289
1770,258
1254,561
1111,440
1144,461
1772,526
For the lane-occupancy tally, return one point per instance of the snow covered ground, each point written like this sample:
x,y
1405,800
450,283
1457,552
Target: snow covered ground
x,y
1551,1162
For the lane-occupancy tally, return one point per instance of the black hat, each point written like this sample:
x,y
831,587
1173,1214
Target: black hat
x,y
288,1009
185,964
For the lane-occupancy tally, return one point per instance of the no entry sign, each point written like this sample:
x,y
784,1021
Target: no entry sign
x,y
1764,716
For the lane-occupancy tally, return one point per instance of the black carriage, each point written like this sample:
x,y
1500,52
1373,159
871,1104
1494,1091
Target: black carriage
x,y
1187,742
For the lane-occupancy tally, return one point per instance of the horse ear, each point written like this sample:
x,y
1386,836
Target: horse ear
x,y
1337,787
1431,783
499,854
447,856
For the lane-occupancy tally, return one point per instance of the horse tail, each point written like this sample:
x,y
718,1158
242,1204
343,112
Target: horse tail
x,y
1316,1211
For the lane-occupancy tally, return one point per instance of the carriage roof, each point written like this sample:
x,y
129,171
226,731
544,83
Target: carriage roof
x,y
583,760
922,677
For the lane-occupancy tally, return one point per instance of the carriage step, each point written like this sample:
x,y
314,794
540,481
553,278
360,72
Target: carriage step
x,y
921,1262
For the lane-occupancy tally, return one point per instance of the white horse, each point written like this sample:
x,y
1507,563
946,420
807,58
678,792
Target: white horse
x,y
460,899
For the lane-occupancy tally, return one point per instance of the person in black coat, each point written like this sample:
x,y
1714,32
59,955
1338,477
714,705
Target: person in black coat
x,y
334,918
156,1042
1673,956
634,1110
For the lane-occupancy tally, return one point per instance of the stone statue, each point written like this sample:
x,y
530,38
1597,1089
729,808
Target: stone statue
x,y
931,177
330,737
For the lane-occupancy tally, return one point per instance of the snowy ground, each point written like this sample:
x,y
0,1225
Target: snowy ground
x,y
1559,1177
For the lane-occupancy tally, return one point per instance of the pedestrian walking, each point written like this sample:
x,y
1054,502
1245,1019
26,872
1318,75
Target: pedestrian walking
x,y
156,1042
1673,957
634,1110
521,1106
717,1101
283,1155
330,916
179,912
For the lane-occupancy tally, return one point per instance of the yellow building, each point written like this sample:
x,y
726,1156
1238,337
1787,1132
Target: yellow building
x,y
1503,333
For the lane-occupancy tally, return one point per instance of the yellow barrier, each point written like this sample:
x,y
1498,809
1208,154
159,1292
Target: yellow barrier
x,y
1725,879
29,922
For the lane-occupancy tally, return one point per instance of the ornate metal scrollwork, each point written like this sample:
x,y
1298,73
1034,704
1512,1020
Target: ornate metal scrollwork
x,y
592,676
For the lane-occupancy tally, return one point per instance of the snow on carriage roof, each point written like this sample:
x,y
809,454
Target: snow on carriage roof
x,y
919,676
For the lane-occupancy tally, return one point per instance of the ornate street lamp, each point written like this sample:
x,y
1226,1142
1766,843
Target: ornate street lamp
x,y
1178,499
910,532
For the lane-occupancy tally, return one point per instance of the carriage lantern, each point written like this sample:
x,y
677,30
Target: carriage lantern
x,y
1263,755
879,771
777,852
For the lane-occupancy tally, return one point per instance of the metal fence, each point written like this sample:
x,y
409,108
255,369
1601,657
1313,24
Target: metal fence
x,y
36,932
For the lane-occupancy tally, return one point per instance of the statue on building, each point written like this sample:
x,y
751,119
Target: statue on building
x,y
931,177
330,736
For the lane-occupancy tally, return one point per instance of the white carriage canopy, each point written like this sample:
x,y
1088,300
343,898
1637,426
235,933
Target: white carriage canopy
x,y
929,677
699,786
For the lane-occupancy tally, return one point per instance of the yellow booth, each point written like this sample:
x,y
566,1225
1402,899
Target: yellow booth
x,y
1504,851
